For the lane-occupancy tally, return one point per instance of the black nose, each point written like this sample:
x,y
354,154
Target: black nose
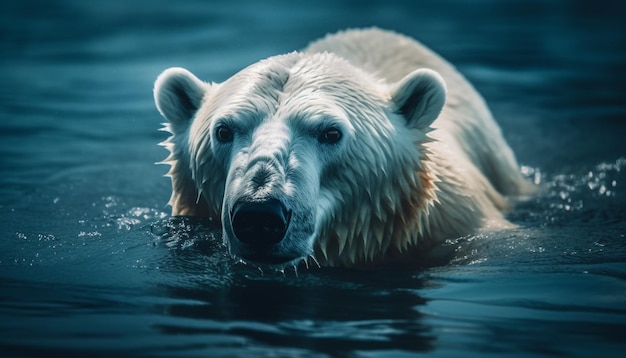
x,y
260,223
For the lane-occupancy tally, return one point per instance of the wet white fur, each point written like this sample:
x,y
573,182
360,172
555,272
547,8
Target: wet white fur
x,y
416,165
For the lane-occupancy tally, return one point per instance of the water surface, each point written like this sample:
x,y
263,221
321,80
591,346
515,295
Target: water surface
x,y
92,264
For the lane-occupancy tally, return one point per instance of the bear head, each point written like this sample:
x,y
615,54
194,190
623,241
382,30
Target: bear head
x,y
302,155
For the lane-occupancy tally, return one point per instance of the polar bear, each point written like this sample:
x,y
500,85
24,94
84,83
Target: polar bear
x,y
365,148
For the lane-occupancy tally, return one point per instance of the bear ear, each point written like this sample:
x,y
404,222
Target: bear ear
x,y
178,95
420,97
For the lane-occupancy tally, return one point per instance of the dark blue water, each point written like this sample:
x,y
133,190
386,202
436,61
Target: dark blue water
x,y
92,265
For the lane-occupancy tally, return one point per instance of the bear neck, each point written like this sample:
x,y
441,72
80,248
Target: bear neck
x,y
186,199
406,214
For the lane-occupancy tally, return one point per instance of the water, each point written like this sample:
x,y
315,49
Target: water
x,y
92,265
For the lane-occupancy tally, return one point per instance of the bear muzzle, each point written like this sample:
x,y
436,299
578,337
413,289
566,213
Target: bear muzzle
x,y
260,224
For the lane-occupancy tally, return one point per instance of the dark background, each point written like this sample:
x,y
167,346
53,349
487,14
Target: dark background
x,y
90,264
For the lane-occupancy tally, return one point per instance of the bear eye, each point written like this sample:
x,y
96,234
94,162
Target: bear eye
x,y
330,135
224,134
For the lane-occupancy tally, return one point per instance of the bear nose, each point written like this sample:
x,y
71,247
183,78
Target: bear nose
x,y
260,223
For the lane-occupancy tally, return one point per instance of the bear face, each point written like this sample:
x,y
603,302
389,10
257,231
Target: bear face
x,y
301,155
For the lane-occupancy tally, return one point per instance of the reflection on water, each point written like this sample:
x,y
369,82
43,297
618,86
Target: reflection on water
x,y
91,263
316,313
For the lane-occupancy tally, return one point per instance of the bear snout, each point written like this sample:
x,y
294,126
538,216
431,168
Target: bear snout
x,y
260,224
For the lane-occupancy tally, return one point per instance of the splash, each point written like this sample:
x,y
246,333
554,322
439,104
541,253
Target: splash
x,y
578,217
575,197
